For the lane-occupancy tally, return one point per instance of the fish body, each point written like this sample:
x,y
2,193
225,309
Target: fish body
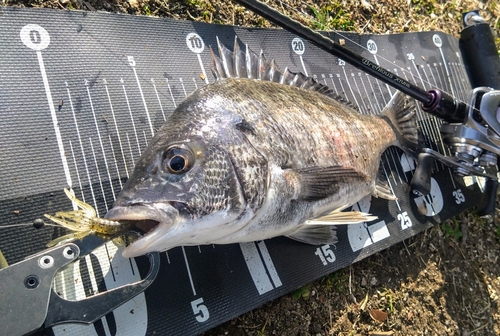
x,y
245,159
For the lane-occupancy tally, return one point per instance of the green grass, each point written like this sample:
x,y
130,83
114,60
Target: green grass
x,y
335,281
303,292
389,302
426,6
452,228
331,17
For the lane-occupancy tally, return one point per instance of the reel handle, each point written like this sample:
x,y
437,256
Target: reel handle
x,y
421,180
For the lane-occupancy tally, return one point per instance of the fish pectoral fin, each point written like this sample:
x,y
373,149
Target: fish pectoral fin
x,y
337,216
321,182
315,235
383,190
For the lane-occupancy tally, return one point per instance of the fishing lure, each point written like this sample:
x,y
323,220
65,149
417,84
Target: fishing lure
x,y
85,219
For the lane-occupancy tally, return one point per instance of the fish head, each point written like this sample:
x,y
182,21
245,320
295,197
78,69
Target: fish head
x,y
188,186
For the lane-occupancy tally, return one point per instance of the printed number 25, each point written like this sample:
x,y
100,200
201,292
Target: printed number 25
x,y
200,310
405,220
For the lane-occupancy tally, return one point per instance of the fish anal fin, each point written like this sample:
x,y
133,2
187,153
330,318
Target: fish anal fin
x,y
321,182
315,235
337,217
383,190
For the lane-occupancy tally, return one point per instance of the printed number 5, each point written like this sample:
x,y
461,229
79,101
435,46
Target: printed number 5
x,y
131,61
200,310
405,220
325,254
459,196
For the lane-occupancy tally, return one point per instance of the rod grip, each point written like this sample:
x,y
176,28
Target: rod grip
x,y
480,55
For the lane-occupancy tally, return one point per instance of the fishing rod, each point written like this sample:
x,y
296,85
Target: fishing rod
x,y
471,131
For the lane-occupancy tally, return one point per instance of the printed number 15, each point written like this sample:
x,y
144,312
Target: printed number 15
x,y
325,254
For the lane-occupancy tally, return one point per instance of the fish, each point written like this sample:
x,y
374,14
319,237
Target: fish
x,y
256,154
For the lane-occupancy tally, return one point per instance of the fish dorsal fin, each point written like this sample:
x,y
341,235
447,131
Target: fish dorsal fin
x,y
247,64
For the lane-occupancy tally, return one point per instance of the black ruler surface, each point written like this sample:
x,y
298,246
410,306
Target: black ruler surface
x,y
81,94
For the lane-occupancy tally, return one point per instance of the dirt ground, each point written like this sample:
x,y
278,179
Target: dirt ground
x,y
445,281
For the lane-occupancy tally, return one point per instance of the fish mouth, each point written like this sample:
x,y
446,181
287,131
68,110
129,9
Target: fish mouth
x,y
147,220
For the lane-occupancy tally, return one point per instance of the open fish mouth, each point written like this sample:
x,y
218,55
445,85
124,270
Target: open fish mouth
x,y
149,220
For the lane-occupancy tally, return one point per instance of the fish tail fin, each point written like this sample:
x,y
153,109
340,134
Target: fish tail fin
x,y
401,114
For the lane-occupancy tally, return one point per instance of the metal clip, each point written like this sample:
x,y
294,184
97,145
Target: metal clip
x,y
27,301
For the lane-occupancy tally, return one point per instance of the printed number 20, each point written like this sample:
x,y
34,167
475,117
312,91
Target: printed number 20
x,y
200,310
298,46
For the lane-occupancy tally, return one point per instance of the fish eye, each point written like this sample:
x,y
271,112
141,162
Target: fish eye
x,y
178,160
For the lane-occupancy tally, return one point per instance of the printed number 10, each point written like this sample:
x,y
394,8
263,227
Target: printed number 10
x,y
325,254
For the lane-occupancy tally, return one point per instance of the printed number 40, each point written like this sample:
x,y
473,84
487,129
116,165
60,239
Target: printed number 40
x,y
200,310
325,254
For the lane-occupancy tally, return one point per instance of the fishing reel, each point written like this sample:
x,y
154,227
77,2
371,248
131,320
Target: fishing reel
x,y
474,143
472,136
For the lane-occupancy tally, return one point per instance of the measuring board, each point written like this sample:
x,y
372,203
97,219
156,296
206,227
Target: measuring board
x,y
81,94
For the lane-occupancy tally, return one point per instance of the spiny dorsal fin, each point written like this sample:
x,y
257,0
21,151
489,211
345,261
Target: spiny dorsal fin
x,y
239,64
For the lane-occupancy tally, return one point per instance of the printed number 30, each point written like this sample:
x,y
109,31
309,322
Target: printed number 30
x,y
200,310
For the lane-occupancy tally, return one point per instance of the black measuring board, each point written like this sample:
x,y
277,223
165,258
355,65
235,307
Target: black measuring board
x,y
81,94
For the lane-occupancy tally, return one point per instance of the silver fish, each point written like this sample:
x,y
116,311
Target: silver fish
x,y
257,154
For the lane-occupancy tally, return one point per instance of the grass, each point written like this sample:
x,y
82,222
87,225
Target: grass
x,y
335,281
303,292
387,299
324,21
204,7
452,228
424,5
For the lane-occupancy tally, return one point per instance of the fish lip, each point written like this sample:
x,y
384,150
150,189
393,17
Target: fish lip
x,y
153,219
145,218
160,212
